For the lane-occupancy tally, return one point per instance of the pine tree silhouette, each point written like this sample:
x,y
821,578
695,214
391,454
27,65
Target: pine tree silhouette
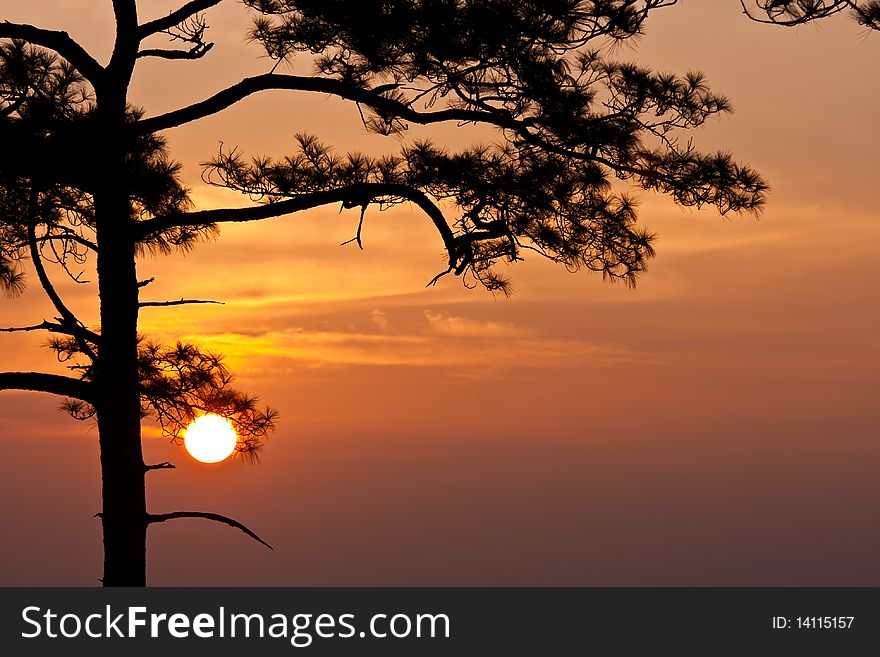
x,y
84,175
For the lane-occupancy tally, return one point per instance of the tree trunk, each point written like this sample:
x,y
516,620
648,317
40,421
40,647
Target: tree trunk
x,y
119,409
116,377
122,464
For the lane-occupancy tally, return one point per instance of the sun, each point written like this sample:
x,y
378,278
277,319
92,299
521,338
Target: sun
x,y
210,438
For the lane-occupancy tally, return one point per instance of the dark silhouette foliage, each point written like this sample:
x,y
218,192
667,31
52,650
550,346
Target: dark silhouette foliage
x,y
797,12
42,95
570,121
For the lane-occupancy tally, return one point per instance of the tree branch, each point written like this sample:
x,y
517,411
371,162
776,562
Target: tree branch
x,y
43,326
60,42
351,196
165,465
178,302
73,237
51,383
809,12
216,517
125,47
196,52
373,98
175,17
370,97
77,329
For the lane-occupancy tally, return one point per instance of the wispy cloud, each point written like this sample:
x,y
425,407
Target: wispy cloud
x,y
379,319
460,345
461,327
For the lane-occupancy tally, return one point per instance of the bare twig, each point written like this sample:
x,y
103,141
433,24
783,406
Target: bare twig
x,y
196,52
190,30
357,237
177,17
76,327
178,302
65,236
42,326
216,517
165,465
434,280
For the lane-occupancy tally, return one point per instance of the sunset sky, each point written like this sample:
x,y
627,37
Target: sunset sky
x,y
717,425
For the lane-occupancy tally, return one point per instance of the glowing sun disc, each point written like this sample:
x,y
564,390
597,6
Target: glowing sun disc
x,y
210,439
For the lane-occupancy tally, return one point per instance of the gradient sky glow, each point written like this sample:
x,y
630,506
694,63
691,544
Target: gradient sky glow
x,y
715,426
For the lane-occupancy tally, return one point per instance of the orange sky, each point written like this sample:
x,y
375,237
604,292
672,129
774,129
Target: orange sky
x,y
716,425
